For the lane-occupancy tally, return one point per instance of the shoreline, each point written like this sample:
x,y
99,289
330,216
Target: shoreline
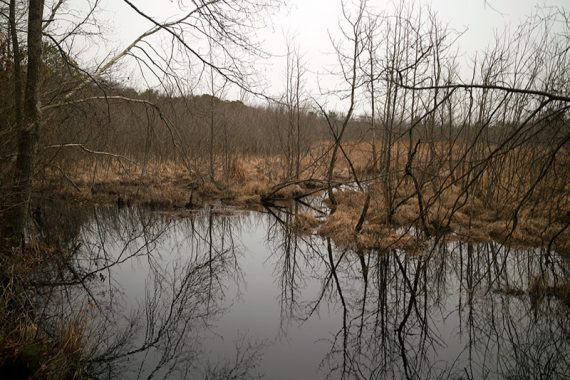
x,y
471,223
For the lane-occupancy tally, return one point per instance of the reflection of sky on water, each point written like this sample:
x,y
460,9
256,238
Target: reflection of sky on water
x,y
247,280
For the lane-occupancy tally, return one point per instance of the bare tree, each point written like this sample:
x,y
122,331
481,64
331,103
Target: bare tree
x,y
293,103
227,24
349,62
30,119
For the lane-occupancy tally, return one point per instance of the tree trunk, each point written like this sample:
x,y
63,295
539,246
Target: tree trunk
x,y
29,128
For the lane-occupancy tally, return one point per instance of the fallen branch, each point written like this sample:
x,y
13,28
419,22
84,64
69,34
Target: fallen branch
x,y
85,149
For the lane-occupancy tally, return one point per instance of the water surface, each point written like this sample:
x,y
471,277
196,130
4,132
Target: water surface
x,y
231,294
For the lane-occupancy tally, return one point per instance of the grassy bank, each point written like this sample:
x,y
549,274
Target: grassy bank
x,y
30,349
461,203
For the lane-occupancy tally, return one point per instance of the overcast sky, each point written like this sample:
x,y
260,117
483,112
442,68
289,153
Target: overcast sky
x,y
309,22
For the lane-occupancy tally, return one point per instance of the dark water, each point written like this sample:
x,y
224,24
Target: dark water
x,y
234,295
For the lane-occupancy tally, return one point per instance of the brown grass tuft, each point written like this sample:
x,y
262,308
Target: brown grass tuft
x,y
305,222
26,350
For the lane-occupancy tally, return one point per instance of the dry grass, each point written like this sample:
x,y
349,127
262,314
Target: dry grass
x,y
481,216
539,288
26,349
375,234
27,352
305,222
164,185
340,226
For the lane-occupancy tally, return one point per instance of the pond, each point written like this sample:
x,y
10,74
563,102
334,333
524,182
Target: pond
x,y
221,293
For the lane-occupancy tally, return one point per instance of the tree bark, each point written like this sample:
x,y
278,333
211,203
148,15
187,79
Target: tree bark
x,y
17,65
28,133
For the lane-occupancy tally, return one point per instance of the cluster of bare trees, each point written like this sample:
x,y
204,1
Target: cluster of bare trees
x,y
43,42
496,131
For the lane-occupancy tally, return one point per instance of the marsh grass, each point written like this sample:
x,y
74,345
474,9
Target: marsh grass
x,y
27,349
483,211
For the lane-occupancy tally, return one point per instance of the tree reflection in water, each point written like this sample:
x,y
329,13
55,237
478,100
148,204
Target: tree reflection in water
x,y
147,288
150,288
458,310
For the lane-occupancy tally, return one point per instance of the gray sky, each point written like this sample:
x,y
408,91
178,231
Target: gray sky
x,y
309,23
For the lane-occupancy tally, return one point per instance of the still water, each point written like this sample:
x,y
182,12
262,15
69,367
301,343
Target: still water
x,y
230,294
